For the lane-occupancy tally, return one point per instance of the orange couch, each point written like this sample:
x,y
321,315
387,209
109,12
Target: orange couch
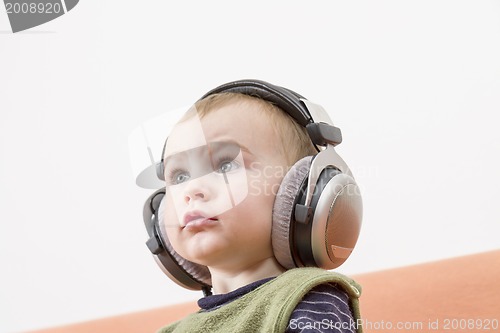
x,y
453,295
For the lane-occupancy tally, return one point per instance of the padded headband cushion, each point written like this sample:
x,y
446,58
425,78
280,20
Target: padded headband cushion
x,y
283,209
199,272
287,100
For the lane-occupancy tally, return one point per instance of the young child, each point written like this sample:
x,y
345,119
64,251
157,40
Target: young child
x,y
227,165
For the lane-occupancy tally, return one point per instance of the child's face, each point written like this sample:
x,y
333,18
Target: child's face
x,y
222,174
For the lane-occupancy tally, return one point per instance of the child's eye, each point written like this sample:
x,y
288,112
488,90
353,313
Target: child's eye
x,y
228,166
178,176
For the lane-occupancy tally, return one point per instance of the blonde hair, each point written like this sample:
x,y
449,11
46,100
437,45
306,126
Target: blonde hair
x,y
295,142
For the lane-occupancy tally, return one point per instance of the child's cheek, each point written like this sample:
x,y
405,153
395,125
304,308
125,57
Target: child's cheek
x,y
265,180
175,198
237,186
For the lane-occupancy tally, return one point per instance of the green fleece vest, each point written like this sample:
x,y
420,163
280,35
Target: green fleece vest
x,y
267,308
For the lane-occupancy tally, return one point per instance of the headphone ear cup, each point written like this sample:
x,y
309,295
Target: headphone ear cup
x,y
194,271
336,221
283,211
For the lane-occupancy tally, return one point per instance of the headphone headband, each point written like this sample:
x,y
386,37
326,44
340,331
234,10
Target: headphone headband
x,y
285,99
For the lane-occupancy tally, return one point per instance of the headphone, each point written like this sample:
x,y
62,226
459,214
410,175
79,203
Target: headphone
x,y
317,211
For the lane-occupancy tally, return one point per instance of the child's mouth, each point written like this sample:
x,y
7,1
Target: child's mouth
x,y
197,220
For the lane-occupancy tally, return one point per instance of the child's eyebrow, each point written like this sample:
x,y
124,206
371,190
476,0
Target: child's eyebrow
x,y
233,142
242,147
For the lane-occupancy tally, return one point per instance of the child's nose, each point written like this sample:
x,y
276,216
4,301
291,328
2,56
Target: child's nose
x,y
194,196
196,191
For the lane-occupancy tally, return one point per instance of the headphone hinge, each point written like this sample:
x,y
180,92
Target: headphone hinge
x,y
322,134
302,213
154,245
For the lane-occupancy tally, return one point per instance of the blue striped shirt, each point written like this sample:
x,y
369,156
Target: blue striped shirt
x,y
323,309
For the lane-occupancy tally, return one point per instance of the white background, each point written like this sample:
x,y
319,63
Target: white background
x,y
414,86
